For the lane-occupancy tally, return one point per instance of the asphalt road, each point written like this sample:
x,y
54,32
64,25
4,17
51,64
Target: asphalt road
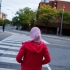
x,y
4,35
59,48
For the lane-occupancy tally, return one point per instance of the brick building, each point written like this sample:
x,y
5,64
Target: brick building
x,y
57,4
3,16
56,27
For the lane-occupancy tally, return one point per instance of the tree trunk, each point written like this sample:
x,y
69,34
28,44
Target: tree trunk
x,y
46,27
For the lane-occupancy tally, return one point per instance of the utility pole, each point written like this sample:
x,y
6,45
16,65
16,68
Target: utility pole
x,y
0,8
62,21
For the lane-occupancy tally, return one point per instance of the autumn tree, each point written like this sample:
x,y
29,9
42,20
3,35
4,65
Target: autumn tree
x,y
4,22
25,16
46,14
1,22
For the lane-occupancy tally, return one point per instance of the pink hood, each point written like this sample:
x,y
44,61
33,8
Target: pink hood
x,y
35,35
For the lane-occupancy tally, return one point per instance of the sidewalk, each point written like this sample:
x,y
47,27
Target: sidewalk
x,y
48,35
56,37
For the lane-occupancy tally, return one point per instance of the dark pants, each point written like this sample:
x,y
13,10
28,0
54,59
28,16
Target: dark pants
x,y
3,28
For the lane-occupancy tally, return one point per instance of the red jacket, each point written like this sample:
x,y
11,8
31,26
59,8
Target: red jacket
x,y
31,55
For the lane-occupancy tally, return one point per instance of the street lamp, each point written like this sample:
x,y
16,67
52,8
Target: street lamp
x,y
12,17
11,11
0,8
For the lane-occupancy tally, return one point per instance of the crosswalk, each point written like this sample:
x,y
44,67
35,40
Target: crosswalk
x,y
8,50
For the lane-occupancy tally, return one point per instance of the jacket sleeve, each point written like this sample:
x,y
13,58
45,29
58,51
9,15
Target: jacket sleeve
x,y
19,56
46,56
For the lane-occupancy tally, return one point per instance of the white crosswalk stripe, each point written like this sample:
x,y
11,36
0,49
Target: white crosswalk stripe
x,y
8,60
2,51
6,69
9,48
9,52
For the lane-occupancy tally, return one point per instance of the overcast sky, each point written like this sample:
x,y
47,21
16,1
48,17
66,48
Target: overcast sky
x,y
10,7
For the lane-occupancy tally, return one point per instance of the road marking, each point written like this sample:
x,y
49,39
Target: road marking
x,y
10,52
11,41
13,60
3,46
15,38
8,47
47,65
8,60
16,48
6,69
45,41
11,44
2,51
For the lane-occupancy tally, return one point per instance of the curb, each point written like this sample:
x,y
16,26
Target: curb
x,y
57,37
